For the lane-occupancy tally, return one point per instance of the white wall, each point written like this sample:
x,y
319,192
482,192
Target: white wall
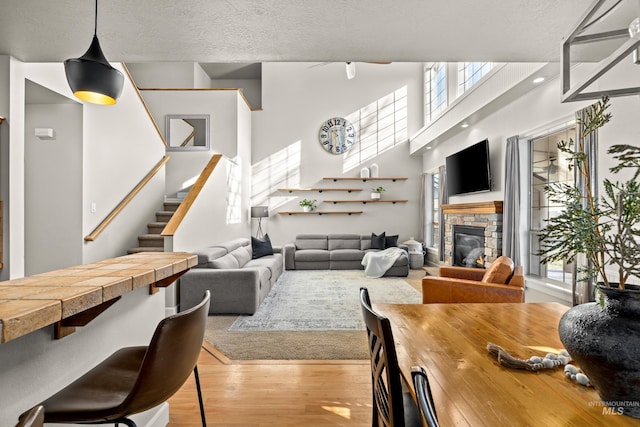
x,y
120,145
53,201
165,74
35,366
251,89
222,108
297,99
5,105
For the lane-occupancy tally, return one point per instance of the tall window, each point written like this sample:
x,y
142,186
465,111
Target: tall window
x,y
470,73
435,90
381,125
548,166
435,210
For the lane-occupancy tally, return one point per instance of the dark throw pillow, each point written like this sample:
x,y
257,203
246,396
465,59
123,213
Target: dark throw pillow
x,y
377,242
391,241
261,247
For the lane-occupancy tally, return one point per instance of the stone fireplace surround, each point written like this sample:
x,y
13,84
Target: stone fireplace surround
x,y
487,215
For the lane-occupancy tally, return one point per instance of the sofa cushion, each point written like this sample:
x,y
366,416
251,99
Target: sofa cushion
x,y
311,241
378,241
391,241
242,254
343,241
234,244
346,255
500,271
272,263
312,255
206,255
261,247
227,261
365,242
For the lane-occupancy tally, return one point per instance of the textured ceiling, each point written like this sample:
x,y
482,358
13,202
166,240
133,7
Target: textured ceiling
x,y
247,31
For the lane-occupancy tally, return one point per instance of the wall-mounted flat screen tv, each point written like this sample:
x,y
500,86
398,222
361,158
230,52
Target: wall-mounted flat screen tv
x,y
468,170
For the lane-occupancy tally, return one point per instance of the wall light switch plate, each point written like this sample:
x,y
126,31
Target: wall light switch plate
x,y
94,208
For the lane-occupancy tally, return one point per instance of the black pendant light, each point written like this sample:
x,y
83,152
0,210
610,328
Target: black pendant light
x,y
91,77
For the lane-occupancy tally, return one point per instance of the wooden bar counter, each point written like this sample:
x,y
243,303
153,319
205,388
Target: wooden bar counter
x,y
74,296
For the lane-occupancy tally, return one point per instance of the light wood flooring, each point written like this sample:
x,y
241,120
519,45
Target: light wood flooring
x,y
275,393
278,393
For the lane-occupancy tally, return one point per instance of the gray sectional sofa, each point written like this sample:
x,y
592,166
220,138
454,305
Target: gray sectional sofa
x,y
238,283
335,252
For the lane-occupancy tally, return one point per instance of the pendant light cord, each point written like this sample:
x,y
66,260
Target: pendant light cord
x,y
95,21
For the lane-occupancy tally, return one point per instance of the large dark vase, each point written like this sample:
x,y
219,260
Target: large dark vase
x,y
605,344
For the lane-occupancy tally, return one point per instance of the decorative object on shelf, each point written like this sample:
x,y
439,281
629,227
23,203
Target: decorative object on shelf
x,y
2,119
259,212
602,337
187,132
375,173
308,205
91,77
337,135
364,172
376,193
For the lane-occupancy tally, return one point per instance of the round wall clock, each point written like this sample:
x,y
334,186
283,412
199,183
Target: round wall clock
x,y
337,135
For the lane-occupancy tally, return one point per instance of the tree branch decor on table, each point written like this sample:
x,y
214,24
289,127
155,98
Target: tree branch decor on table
x,y
604,337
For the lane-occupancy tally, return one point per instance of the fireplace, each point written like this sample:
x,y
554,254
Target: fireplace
x,y
468,246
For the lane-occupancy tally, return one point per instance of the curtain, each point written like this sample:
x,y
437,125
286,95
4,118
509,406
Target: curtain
x,y
443,199
511,205
422,205
584,291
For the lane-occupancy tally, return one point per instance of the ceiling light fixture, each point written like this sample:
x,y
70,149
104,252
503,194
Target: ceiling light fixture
x,y
351,70
464,125
91,77
538,80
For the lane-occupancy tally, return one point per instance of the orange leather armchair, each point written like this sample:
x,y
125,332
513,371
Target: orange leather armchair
x,y
501,282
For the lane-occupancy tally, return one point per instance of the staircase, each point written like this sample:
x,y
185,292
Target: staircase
x,y
153,241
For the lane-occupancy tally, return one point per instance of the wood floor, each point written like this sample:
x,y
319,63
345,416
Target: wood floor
x,y
275,393
251,393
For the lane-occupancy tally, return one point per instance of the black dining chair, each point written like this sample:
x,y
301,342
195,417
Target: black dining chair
x,y
393,405
135,379
423,395
34,417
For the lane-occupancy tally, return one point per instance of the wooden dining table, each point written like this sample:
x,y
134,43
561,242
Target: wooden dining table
x,y
470,387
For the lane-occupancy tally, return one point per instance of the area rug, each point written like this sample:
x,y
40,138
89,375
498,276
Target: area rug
x,y
308,344
321,300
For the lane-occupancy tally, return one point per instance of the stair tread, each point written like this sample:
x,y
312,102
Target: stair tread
x,y
158,224
151,236
145,249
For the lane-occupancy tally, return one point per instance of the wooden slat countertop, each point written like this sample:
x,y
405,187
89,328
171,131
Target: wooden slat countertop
x,y
470,387
30,303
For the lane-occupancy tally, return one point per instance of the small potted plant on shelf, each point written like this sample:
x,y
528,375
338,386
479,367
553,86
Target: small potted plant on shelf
x,y
376,193
308,205
606,232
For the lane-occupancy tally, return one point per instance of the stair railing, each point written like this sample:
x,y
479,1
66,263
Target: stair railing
x,y
173,224
120,207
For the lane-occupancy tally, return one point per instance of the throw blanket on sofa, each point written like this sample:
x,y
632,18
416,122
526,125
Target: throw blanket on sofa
x,y
377,263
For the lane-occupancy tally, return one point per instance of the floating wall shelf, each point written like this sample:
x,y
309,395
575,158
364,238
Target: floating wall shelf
x,y
321,213
396,178
320,190
365,201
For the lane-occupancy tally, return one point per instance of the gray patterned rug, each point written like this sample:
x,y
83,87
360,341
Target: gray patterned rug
x,y
323,300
